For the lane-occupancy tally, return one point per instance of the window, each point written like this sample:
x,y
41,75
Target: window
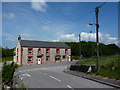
x,y
57,58
30,59
29,50
47,58
39,51
66,51
64,57
47,50
57,50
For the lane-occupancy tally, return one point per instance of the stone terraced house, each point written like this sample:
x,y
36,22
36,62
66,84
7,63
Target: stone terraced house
x,y
28,52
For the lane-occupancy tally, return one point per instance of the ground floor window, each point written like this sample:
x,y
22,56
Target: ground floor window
x,y
64,57
30,59
47,58
57,58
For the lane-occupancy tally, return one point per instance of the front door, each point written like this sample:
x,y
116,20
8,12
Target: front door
x,y
39,60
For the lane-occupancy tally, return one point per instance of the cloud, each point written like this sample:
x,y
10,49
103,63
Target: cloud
x,y
67,38
39,6
103,38
8,15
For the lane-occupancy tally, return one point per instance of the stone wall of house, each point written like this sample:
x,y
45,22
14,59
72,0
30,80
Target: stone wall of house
x,y
64,56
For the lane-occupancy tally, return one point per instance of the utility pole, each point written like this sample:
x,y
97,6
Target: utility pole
x,y
80,45
97,37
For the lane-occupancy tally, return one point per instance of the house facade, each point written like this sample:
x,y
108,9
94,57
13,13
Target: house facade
x,y
28,52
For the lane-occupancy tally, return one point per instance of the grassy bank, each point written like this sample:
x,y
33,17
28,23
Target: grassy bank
x,y
108,66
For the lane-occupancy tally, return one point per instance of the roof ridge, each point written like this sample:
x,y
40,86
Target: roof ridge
x,y
41,41
33,43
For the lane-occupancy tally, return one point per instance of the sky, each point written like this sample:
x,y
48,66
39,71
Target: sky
x,y
58,21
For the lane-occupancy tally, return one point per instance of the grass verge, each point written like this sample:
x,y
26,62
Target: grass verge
x,y
108,66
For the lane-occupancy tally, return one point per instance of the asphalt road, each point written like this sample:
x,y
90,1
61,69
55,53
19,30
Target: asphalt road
x,y
52,76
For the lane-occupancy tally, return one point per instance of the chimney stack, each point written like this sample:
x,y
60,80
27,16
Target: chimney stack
x,y
19,37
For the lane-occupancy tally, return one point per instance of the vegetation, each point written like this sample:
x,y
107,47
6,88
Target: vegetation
x,y
75,57
5,59
6,52
108,66
88,49
7,73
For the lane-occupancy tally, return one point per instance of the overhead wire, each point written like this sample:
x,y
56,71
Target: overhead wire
x,y
78,19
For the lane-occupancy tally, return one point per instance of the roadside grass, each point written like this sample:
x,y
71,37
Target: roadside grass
x,y
108,66
5,59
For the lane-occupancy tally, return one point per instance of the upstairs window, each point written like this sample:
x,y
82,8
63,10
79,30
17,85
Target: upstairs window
x,y
30,50
57,51
47,50
39,51
66,51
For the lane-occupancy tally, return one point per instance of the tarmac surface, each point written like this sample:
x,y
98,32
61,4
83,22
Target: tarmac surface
x,y
52,76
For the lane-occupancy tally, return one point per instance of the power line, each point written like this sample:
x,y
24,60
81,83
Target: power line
x,y
103,3
79,18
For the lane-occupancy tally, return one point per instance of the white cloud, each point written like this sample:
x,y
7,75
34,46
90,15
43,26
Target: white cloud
x,y
67,38
103,38
39,6
8,15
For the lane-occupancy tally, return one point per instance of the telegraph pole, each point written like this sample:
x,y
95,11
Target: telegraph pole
x,y
80,45
97,37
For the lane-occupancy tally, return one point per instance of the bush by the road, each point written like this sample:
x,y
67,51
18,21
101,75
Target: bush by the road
x,y
7,73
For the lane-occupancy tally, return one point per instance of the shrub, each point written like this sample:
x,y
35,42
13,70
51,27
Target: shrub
x,y
7,73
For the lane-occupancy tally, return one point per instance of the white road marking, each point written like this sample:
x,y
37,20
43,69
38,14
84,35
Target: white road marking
x,y
26,74
70,87
55,78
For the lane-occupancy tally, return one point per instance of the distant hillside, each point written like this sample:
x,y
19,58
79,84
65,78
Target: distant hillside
x,y
88,49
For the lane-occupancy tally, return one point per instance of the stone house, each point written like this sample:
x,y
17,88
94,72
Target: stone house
x,y
28,52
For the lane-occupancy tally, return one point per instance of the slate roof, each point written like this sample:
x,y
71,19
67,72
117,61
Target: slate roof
x,y
42,44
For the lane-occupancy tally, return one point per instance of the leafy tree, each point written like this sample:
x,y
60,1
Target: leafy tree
x,y
88,49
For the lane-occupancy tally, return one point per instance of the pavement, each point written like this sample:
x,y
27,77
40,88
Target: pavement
x,y
52,76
